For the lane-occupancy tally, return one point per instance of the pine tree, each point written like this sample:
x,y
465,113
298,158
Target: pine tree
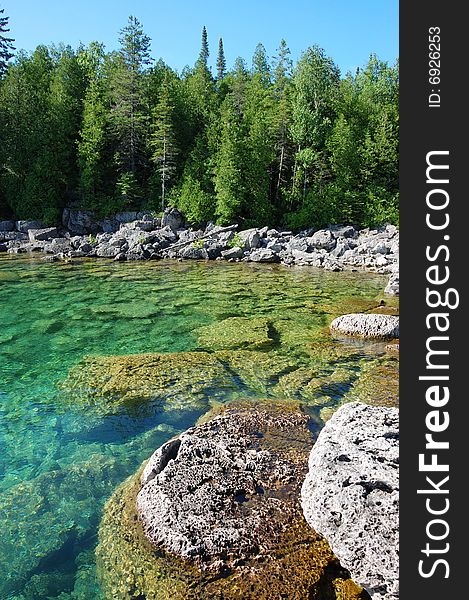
x,y
204,51
221,62
129,114
260,65
229,169
6,44
282,67
163,142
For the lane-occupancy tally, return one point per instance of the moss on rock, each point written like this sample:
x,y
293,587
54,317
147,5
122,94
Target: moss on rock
x,y
109,382
378,383
237,333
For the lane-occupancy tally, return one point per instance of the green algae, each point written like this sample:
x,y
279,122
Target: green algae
x,y
236,333
378,383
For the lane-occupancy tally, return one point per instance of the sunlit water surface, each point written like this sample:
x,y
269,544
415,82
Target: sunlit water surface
x,y
58,464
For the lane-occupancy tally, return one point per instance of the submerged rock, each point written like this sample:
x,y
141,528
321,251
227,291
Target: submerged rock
x,y
237,332
60,506
351,494
369,326
173,381
216,514
378,383
109,382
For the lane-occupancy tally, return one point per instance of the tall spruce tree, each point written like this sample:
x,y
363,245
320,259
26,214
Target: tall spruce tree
x,y
204,51
6,43
129,114
221,62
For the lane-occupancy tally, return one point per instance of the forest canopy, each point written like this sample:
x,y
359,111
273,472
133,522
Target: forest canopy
x,y
271,142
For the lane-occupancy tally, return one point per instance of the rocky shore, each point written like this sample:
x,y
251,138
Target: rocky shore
x,y
141,236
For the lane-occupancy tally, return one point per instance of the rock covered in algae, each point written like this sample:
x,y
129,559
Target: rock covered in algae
x,y
112,381
378,383
61,510
351,494
180,380
368,326
236,332
216,514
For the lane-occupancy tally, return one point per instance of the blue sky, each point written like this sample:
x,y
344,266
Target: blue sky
x,y
348,30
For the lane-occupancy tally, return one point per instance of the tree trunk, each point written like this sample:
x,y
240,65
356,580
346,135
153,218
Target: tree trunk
x,y
279,174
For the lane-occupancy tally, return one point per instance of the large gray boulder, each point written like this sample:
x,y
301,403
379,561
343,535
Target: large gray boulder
x,y
351,494
213,492
249,239
25,226
7,225
173,219
322,239
194,252
367,325
233,253
263,255
80,222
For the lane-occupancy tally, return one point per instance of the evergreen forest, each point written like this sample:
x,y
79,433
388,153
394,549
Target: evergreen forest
x,y
263,141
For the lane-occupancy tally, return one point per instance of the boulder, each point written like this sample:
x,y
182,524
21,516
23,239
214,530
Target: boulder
x,y
80,222
367,325
48,233
249,239
298,243
233,253
263,255
194,252
25,226
109,249
216,514
351,494
343,231
322,239
173,219
7,225
13,236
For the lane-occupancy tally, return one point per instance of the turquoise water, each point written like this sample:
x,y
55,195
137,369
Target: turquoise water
x,y
59,462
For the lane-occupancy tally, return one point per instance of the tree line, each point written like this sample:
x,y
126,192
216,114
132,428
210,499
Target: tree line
x,y
265,143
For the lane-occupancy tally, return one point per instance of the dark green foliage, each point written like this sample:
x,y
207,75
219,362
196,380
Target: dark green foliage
x,y
274,144
6,43
221,62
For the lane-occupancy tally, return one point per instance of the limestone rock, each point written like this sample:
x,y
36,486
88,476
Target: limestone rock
x,y
236,332
216,514
232,253
249,238
263,255
42,234
25,226
7,225
368,326
351,494
173,219
392,287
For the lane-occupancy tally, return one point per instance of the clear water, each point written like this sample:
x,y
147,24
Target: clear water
x,y
58,463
